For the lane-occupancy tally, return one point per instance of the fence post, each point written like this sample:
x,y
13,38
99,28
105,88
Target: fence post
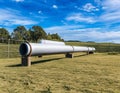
x,y
8,47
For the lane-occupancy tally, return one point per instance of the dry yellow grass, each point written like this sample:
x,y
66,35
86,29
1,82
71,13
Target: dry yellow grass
x,y
98,73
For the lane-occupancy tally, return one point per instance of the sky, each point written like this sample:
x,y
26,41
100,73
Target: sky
x,y
83,20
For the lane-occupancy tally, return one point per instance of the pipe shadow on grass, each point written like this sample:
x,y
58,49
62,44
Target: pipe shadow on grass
x,y
81,55
44,61
48,60
35,62
16,65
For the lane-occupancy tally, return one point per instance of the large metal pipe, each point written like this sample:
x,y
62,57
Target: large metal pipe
x,y
36,49
51,42
47,47
32,49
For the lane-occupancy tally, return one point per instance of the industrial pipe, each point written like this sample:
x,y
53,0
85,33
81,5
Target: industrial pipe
x,y
51,42
50,47
47,47
32,49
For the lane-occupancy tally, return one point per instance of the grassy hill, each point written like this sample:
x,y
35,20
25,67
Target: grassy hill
x,y
98,73
100,47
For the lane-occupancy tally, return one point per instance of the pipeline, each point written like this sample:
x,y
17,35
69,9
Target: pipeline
x,y
36,49
51,42
47,47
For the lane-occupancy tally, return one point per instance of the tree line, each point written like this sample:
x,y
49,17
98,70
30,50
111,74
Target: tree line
x,y
34,34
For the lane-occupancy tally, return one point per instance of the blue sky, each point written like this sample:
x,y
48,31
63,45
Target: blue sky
x,y
84,20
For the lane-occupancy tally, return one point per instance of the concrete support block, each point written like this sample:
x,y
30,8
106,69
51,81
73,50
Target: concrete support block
x,y
40,56
25,61
90,52
68,55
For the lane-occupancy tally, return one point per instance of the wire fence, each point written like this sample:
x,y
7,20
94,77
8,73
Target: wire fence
x,y
9,48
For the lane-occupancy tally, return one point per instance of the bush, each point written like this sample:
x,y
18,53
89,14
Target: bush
x,y
113,53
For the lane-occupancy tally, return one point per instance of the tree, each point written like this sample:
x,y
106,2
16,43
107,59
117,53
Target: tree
x,y
20,33
37,33
49,37
56,36
4,34
31,35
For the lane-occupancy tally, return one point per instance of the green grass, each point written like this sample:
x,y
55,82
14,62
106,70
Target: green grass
x,y
98,73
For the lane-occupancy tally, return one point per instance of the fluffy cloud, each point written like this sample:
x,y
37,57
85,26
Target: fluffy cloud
x,y
85,34
21,22
18,0
110,17
55,6
77,17
98,2
39,12
111,5
13,17
89,8
111,12
63,29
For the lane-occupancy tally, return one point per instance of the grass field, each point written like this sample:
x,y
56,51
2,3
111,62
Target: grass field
x,y
98,73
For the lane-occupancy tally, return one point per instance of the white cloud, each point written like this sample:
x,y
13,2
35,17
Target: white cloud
x,y
77,17
111,5
39,12
111,12
18,0
13,17
62,29
89,8
112,17
104,35
85,34
98,2
55,6
22,22
110,36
